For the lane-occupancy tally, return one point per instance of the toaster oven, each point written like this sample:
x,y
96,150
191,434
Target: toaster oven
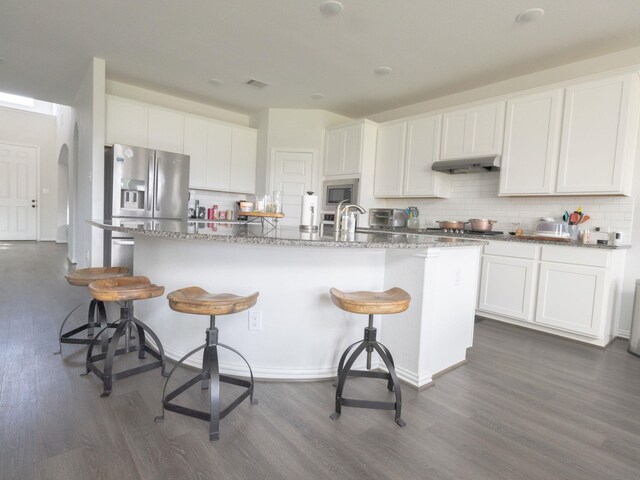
x,y
388,217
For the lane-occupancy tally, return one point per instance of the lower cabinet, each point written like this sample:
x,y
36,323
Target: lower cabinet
x,y
570,297
569,291
506,286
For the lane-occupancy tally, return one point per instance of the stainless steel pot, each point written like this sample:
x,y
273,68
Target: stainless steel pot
x,y
481,224
451,225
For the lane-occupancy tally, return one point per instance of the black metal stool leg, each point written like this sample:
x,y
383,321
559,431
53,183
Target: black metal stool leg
x,y
342,378
111,353
388,353
156,340
214,391
59,352
141,342
90,318
396,382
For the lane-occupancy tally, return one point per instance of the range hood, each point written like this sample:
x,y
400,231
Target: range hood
x,y
489,163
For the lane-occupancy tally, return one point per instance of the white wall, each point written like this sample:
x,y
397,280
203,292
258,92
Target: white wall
x,y
291,128
65,127
37,130
89,107
476,195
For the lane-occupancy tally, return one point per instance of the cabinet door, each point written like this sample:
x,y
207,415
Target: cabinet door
x,y
126,122
454,132
506,286
334,152
389,160
166,130
195,145
422,149
594,136
243,160
352,149
570,297
532,136
484,136
218,156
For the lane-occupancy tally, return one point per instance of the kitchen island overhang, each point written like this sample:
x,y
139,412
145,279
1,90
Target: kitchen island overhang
x,y
303,333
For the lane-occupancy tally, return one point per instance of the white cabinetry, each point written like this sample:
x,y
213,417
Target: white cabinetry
x,y
598,145
587,147
531,140
345,147
222,156
473,132
165,130
244,144
569,291
195,145
405,153
507,280
126,122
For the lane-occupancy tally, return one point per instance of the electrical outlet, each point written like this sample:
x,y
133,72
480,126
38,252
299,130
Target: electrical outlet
x,y
255,320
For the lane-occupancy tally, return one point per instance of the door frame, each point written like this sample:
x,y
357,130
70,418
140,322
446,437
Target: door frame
x,y
272,166
37,148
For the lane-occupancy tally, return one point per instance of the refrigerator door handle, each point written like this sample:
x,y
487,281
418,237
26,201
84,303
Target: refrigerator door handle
x,y
122,242
156,181
150,181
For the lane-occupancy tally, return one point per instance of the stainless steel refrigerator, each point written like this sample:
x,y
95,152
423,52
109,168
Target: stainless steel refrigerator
x,y
141,184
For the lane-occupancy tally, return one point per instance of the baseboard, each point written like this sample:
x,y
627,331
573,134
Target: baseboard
x,y
624,333
47,239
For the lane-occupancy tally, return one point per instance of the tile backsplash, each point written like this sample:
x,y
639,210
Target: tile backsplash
x,y
224,200
475,195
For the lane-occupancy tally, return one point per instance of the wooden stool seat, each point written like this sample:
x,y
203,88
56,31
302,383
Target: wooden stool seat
x,y
121,289
82,277
200,302
394,300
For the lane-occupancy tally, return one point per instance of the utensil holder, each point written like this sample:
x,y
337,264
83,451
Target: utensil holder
x,y
574,232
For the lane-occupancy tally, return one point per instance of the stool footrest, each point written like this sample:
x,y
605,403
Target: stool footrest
x,y
130,371
350,402
369,374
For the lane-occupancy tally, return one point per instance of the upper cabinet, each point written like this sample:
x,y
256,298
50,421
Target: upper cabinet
x,y
126,122
531,139
586,148
404,156
165,130
222,156
599,135
345,147
473,132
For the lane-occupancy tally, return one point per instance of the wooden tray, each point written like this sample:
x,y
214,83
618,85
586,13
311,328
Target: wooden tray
x,y
540,237
261,214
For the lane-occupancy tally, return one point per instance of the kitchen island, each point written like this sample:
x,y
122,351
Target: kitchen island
x,y
296,333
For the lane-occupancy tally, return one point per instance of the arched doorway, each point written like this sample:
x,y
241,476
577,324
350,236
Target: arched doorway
x,y
63,195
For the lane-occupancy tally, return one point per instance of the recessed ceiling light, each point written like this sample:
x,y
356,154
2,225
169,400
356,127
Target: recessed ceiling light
x,y
256,83
383,71
317,96
215,82
529,15
331,8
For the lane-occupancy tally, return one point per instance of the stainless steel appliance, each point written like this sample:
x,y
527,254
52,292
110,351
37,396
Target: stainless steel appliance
x,y
141,183
336,191
490,163
387,217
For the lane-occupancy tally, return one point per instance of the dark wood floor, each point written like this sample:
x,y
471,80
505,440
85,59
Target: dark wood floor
x,y
525,406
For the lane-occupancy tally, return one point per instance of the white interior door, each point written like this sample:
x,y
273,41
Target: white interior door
x,y
293,175
17,192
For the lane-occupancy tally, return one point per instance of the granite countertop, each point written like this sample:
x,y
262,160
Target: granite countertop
x,y
254,233
500,238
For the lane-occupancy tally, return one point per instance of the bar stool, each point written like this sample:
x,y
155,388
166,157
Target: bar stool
x,y
97,314
197,301
394,300
126,290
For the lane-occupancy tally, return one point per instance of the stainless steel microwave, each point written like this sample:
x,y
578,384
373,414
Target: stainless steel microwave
x,y
335,191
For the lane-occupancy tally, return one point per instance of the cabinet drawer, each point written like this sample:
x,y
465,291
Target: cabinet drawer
x,y
577,255
512,249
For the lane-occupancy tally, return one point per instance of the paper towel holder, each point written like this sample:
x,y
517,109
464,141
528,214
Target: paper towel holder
x,y
309,213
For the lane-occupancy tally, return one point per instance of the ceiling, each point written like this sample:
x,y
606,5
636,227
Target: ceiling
x,y
435,47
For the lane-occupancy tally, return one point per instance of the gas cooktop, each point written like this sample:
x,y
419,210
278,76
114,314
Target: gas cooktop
x,y
435,231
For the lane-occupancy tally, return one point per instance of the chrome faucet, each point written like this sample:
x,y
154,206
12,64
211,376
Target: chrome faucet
x,y
337,225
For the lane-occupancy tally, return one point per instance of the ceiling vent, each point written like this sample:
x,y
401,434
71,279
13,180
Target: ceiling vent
x,y
256,83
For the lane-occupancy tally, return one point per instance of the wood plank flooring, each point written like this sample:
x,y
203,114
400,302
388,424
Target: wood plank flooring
x,y
525,406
